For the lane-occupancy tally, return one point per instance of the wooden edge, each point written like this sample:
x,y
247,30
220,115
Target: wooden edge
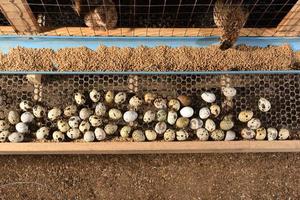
x,y
150,147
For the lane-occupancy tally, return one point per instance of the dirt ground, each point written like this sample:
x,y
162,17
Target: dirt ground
x,y
182,176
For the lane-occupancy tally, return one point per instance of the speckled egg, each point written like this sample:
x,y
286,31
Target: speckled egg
x,y
202,134
182,135
89,136
74,121
184,100
135,101
115,114
70,110
54,114
120,97
196,123
16,137
95,96
130,116
42,133
217,135
160,103
4,125
4,135
25,105
27,117
169,135
204,113
228,92
210,125
172,117
283,134
247,133
110,129
230,135
161,115
272,134
149,116
226,124
95,120
109,97
149,97
85,113
160,127
174,104
58,136
261,133
84,126
22,127
73,133
138,136
254,123
79,98
208,97
215,110
100,109
100,134
125,131
13,117
150,135
182,122
187,112
245,115
63,126
264,105
39,111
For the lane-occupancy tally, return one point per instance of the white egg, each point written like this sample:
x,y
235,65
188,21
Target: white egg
x,y
202,134
110,129
42,133
264,105
149,116
120,97
4,135
16,137
70,110
100,134
247,133
217,135
169,135
254,123
138,136
79,98
109,97
182,135
130,116
283,134
204,113
4,125
150,135
63,126
125,131
174,104
25,105
22,127
89,136
172,117
73,133
135,101
58,136
215,110
85,113
261,133
95,120
54,114
115,114
74,121
228,92
230,135
100,109
208,97
161,115
27,117
196,123
210,125
160,127
84,126
272,134
13,117
187,112
160,103
39,111
95,96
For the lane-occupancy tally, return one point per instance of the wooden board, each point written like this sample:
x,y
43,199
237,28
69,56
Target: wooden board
x,y
150,147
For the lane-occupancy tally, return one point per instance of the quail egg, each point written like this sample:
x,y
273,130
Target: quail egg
x,y
272,134
160,103
196,123
138,136
100,109
74,121
204,113
4,125
73,133
95,120
182,122
100,134
85,113
109,97
254,123
208,97
89,136
84,126
261,133
54,114
13,117
63,126
174,104
4,135
202,134
22,127
135,101
182,135
228,92
230,135
39,111
247,133
169,135
149,97
25,105
151,135
160,127
187,112
95,96
130,116
210,125
172,117
58,136
149,116
110,129
120,97
16,137
245,116
42,133
184,100
217,135
264,105
215,110
226,124
161,115
283,134
125,131
27,117
79,98
70,110
115,114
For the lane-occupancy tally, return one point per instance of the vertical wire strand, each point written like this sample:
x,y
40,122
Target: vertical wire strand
x,y
120,16
177,13
191,16
90,10
148,17
134,4
162,17
279,11
250,12
62,16
263,14
47,14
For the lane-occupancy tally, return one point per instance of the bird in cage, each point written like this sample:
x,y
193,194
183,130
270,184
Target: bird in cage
x,y
230,18
98,14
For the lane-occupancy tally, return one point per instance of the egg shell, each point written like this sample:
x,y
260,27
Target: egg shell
x,y
160,127
58,136
230,135
42,133
245,115
264,105
100,109
247,133
204,113
182,122
217,135
16,137
39,111
27,117
95,95
25,105
79,98
138,136
115,114
182,135
184,100
95,120
172,117
130,116
135,101
169,135
210,125
85,113
63,126
22,127
110,129
149,97
100,134
4,135
109,97
261,133
74,121
125,131
283,134
174,104
187,112
149,116
160,103
120,97
89,136
150,135
196,123
272,134
226,124
215,110
73,133
254,123
70,110
161,115
228,92
208,97
13,117
202,134
84,126
54,114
